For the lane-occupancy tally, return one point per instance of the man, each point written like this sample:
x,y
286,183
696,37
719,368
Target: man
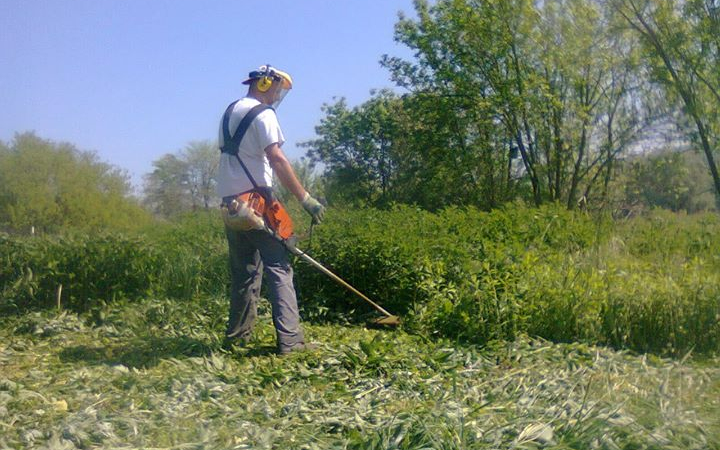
x,y
254,253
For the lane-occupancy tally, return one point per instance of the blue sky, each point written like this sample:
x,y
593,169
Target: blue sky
x,y
135,79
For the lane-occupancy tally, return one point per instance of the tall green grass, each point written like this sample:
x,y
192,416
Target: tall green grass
x,y
179,260
83,269
651,284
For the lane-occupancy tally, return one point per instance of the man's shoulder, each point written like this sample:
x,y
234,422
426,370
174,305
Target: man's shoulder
x,y
268,117
245,104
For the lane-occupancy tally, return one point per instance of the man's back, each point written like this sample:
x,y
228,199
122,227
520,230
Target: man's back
x,y
262,132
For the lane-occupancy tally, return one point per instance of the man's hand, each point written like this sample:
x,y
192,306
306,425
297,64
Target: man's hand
x,y
314,208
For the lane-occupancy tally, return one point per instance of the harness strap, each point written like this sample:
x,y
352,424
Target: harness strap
x,y
231,145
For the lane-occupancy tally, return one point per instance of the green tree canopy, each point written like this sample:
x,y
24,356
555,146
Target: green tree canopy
x,y
49,185
672,180
505,99
681,44
355,147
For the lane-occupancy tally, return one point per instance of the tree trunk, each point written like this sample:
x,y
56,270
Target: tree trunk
x,y
576,169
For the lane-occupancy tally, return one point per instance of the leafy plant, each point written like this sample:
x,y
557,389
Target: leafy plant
x,y
649,284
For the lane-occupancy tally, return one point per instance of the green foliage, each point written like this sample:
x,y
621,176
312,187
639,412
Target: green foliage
x,y
194,255
412,260
680,43
358,148
650,283
529,100
51,186
507,100
671,180
90,268
177,260
167,187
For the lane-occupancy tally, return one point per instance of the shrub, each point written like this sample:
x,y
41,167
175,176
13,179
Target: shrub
x,y
194,255
650,284
407,257
172,260
89,268
662,235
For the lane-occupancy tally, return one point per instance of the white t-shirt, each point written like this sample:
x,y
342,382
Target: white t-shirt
x,y
263,131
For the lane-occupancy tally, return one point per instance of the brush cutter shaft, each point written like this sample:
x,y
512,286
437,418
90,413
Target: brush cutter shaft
x,y
290,246
327,272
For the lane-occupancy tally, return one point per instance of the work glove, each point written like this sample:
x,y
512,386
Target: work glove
x,y
314,208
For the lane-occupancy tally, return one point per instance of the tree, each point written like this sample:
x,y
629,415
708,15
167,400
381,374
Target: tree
x,y
355,147
183,182
167,187
459,87
668,179
548,80
49,186
201,158
682,47
560,86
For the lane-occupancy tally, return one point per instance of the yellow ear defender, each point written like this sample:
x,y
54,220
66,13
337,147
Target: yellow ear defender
x,y
264,84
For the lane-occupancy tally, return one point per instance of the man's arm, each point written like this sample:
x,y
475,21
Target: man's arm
x,y
284,171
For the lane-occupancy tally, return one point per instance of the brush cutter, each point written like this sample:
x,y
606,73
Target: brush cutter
x,y
388,320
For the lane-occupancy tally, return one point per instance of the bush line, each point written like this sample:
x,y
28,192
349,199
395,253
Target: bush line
x,y
650,284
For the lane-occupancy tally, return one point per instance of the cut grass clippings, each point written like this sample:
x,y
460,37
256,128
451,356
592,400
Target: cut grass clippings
x,y
153,374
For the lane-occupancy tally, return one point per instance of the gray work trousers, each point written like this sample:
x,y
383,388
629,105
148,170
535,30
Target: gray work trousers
x,y
252,254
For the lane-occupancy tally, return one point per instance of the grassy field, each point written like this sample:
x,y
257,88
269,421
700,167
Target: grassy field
x,y
152,374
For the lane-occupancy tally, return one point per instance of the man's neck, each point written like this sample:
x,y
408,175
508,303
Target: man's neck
x,y
257,96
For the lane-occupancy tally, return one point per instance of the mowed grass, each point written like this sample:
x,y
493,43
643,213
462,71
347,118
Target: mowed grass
x,y
152,374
